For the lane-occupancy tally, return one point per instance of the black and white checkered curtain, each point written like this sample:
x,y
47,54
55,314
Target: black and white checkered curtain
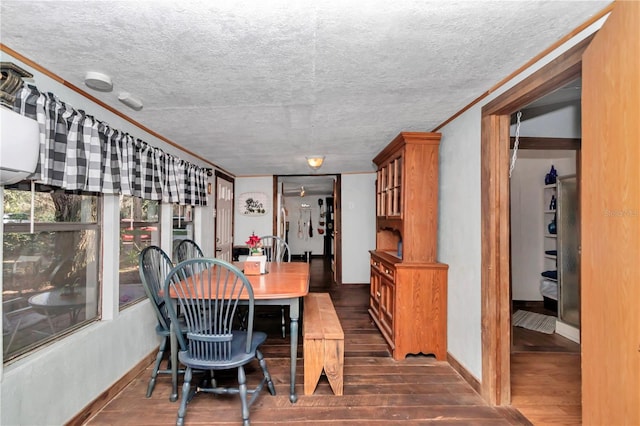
x,y
78,152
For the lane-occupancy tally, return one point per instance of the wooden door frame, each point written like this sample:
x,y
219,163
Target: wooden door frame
x,y
337,222
495,275
337,229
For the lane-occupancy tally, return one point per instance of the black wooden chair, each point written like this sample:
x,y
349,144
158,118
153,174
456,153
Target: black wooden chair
x,y
155,265
208,292
277,250
187,249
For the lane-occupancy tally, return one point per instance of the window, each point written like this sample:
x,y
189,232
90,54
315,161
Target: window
x,y
139,228
50,275
182,224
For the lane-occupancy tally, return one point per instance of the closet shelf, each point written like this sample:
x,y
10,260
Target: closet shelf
x,y
549,285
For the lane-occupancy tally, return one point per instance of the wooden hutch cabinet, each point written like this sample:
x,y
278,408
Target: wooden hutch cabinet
x,y
408,296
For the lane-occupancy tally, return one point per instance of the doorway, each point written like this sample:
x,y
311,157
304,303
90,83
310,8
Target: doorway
x,y
308,217
544,240
495,150
608,139
544,224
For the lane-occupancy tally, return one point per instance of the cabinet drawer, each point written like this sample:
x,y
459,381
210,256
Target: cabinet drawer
x,y
389,272
384,268
376,265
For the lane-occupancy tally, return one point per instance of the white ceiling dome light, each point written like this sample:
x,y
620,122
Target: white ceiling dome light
x,y
315,161
98,81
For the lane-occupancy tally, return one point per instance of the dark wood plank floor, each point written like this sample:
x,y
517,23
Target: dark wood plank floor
x,y
377,389
545,387
545,375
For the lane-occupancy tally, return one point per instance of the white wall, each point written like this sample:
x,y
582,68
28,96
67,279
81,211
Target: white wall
x,y
358,221
460,220
297,216
243,226
358,226
459,236
563,122
53,383
528,221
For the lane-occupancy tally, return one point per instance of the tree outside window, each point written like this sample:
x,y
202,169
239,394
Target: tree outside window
x,y
50,275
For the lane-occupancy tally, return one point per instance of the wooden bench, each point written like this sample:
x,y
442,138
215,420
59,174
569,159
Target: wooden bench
x,y
323,343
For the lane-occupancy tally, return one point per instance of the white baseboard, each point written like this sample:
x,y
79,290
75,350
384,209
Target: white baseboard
x,y
568,331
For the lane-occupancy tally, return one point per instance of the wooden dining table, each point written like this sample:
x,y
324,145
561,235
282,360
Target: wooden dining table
x,y
284,284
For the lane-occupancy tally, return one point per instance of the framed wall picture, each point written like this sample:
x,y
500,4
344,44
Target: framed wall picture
x,y
252,203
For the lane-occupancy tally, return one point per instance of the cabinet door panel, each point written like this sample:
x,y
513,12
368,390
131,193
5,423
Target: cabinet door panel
x,y
387,306
374,296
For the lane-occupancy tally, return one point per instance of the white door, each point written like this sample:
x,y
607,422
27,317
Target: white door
x,y
224,218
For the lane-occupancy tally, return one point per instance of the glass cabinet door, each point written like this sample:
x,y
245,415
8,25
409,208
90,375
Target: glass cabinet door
x,y
396,188
389,189
381,193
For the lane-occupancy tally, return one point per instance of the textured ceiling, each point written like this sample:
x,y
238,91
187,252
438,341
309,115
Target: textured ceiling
x,y
254,86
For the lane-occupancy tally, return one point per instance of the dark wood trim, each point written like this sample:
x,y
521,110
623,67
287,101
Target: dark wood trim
x,y
549,144
562,70
97,101
105,397
274,203
514,416
532,61
337,227
495,283
224,175
466,375
495,260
